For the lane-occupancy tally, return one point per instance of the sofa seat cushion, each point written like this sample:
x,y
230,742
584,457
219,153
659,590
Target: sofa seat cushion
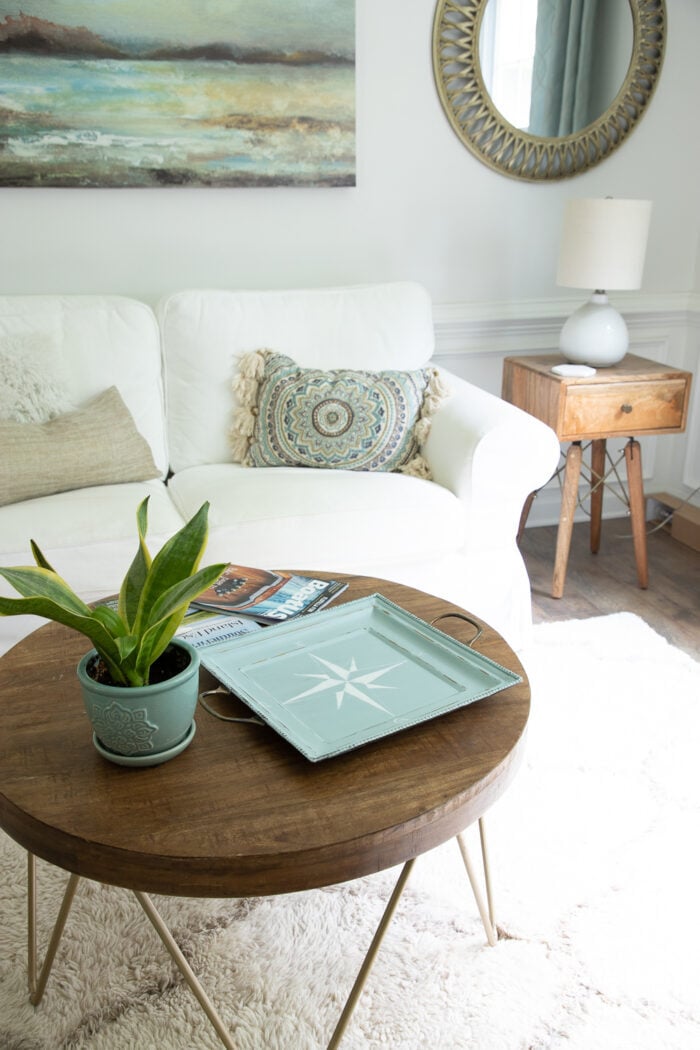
x,y
295,516
94,518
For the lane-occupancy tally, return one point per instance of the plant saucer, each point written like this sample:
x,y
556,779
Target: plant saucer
x,y
145,760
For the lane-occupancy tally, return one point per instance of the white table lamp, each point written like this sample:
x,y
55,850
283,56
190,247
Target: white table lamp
x,y
602,247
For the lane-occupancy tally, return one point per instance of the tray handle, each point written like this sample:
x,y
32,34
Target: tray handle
x,y
461,616
223,691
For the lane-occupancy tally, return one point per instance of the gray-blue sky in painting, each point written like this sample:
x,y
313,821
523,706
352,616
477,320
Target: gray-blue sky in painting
x,y
290,24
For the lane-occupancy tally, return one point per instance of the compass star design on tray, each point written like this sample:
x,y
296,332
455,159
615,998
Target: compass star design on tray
x,y
349,681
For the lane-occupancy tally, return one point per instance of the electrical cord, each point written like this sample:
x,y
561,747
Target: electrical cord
x,y
601,481
665,521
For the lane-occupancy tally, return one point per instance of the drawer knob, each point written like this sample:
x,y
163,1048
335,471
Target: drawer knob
x,y
626,409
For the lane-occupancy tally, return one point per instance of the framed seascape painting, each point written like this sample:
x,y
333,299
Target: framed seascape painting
x,y
136,93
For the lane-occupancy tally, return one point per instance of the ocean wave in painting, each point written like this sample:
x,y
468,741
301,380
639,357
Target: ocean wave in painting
x,y
70,120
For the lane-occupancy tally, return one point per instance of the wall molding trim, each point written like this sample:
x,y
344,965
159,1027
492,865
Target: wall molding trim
x,y
531,324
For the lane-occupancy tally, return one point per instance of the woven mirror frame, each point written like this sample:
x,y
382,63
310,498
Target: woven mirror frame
x,y
511,150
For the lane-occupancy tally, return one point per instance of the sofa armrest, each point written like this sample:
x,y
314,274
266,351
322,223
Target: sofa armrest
x,y
491,454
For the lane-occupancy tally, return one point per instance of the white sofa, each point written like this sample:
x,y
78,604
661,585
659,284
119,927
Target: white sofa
x,y
453,536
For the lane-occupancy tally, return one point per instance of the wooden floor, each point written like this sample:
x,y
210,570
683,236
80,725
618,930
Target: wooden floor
x,y
598,584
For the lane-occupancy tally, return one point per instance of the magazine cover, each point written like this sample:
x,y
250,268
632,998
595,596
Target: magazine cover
x,y
202,628
269,597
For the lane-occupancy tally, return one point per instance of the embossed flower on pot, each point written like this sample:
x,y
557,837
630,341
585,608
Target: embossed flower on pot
x,y
127,732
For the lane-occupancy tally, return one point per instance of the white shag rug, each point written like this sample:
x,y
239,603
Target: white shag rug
x,y
597,892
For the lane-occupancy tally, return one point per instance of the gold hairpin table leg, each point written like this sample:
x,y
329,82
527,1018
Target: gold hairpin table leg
x,y
361,978
36,987
486,910
184,968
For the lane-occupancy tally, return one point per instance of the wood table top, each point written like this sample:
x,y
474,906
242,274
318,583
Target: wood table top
x,y
240,812
631,368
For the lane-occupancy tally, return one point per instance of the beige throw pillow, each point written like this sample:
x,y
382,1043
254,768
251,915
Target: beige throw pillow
x,y
98,444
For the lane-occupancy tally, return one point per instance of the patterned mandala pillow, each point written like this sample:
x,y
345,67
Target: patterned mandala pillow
x,y
353,420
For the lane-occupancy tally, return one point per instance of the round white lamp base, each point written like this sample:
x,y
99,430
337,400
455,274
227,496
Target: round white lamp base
x,y
595,334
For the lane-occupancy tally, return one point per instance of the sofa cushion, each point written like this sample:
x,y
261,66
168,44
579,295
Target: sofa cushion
x,y
33,380
386,326
290,517
353,419
85,519
97,444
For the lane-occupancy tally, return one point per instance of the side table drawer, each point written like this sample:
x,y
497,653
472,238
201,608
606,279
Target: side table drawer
x,y
624,408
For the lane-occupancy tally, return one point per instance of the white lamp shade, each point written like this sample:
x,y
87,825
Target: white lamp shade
x,y
603,243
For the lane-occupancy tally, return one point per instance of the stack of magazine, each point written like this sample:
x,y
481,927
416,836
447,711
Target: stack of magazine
x,y
244,598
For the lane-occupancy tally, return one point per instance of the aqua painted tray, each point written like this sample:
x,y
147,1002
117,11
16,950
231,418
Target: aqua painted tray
x,y
340,678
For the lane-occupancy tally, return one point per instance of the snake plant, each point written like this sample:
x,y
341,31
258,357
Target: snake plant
x,y
153,599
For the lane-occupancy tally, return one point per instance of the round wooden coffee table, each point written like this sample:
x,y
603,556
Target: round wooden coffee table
x,y
240,812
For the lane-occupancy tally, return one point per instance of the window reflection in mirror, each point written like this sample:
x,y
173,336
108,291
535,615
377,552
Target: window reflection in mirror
x,y
552,67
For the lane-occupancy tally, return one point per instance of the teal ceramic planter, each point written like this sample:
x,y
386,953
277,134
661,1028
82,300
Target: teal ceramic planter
x,y
146,724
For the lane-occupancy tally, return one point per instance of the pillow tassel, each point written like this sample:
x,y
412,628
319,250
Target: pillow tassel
x,y
422,429
417,468
252,364
245,385
245,389
436,391
437,387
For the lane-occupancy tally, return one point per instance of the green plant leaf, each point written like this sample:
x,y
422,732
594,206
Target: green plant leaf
x,y
84,623
169,612
132,586
46,594
34,581
127,645
111,620
174,562
178,597
39,557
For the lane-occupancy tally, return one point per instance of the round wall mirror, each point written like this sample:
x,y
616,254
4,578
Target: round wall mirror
x,y
545,89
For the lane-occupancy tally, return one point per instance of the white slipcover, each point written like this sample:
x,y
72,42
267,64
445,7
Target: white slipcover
x,y
453,536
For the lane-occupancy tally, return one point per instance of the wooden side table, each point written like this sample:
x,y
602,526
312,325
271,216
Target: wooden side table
x,y
636,396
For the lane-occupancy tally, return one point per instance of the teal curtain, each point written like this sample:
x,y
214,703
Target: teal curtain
x,y
561,75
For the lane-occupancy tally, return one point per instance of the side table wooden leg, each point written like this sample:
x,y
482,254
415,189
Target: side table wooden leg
x,y
569,499
635,484
525,514
597,487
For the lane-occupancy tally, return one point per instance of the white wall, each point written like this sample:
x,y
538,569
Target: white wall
x,y
424,208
